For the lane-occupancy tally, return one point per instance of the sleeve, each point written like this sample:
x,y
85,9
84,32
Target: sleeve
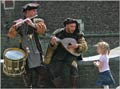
x,y
82,45
102,58
54,34
13,31
51,49
40,26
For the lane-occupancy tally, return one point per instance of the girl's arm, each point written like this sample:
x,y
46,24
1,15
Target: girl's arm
x,y
99,64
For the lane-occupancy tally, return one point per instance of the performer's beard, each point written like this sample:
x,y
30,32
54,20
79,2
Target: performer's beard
x,y
70,31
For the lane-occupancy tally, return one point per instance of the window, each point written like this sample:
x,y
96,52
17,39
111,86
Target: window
x,y
9,4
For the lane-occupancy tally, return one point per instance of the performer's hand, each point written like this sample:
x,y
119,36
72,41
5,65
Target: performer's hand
x,y
53,40
74,46
29,22
96,63
18,22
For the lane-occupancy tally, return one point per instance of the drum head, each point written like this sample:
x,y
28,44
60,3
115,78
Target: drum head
x,y
14,54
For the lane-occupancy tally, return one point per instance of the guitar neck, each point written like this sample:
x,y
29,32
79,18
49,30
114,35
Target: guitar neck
x,y
58,39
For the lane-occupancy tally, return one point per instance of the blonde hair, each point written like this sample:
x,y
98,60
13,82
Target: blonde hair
x,y
104,46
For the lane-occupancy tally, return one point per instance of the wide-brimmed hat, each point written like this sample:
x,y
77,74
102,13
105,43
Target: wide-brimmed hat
x,y
30,6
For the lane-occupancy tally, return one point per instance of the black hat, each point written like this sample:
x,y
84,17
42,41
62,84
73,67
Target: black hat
x,y
69,21
30,6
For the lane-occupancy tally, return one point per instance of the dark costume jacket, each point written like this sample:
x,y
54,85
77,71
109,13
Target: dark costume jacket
x,y
58,51
30,41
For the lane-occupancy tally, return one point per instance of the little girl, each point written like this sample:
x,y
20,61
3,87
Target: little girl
x,y
105,77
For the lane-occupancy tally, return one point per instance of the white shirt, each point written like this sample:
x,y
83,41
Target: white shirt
x,y
105,61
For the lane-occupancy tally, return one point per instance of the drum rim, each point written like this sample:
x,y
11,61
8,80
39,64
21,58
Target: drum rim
x,y
6,50
13,75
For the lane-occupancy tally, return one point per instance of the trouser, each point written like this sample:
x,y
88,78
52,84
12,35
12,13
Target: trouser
x,y
57,67
35,77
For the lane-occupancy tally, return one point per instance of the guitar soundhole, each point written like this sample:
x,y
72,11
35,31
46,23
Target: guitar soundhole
x,y
69,44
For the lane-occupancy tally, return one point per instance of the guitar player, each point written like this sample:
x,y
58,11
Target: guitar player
x,y
61,57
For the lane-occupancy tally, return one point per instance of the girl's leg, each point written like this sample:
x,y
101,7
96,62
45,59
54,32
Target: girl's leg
x,y
106,86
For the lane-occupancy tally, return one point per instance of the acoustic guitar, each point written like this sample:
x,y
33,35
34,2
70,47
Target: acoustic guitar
x,y
69,41
65,42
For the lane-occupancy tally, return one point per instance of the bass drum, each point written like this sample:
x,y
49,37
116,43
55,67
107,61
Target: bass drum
x,y
14,61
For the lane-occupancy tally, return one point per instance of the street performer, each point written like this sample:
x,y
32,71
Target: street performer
x,y
57,56
29,28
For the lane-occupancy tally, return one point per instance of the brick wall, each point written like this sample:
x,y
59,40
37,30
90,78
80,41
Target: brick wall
x,y
99,17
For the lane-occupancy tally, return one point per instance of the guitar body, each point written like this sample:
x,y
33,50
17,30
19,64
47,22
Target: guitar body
x,y
68,41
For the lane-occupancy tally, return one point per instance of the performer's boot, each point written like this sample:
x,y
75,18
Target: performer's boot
x,y
40,83
74,81
58,82
27,80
